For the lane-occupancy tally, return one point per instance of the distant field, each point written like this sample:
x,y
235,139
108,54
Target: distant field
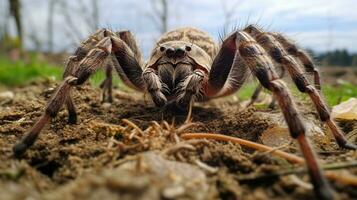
x,y
19,73
338,83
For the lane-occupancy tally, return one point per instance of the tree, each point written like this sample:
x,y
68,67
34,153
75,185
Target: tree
x,y
51,9
336,58
354,60
159,15
15,12
81,13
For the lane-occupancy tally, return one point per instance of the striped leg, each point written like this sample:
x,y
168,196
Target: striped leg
x,y
290,62
261,65
241,50
77,72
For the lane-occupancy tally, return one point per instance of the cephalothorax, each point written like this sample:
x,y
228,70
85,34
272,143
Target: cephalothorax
x,y
187,65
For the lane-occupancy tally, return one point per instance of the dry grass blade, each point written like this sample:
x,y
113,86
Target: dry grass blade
x,y
211,170
189,114
184,127
177,147
134,126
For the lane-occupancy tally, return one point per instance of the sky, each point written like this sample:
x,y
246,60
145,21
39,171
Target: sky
x,y
320,25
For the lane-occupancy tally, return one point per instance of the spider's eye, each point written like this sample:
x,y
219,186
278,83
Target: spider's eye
x,y
188,48
162,49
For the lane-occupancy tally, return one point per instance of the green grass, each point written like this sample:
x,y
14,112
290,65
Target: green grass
x,y
15,73
332,94
20,73
335,95
247,90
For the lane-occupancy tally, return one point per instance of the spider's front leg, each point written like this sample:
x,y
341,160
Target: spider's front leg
x,y
240,51
154,87
86,67
190,89
128,68
133,50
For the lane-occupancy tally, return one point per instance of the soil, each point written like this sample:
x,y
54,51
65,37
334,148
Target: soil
x,y
104,157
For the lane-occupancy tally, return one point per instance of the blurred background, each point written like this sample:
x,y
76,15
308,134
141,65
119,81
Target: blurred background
x,y
36,36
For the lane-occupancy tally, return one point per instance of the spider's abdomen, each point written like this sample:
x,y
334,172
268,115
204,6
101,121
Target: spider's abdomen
x,y
191,35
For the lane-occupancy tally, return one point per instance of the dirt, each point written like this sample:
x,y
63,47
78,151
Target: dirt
x,y
104,157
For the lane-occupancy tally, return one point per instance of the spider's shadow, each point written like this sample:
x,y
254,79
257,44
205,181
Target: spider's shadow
x,y
172,113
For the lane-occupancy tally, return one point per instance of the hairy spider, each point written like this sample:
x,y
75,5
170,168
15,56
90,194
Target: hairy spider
x,y
187,65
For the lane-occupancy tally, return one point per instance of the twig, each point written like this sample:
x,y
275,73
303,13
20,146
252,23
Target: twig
x,y
260,147
343,165
302,170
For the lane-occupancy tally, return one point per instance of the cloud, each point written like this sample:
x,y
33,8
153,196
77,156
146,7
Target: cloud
x,y
320,24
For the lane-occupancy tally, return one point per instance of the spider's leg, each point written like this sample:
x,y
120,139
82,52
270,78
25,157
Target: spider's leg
x,y
128,64
291,49
76,74
107,84
302,56
90,63
259,89
70,67
255,95
227,73
128,38
73,62
127,61
261,65
190,89
281,56
154,87
241,51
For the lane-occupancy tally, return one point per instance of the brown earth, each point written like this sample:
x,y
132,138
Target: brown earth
x,y
102,157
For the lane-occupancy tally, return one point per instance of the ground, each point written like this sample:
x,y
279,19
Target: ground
x,y
103,156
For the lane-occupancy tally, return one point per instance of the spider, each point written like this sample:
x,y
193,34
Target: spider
x,y
187,65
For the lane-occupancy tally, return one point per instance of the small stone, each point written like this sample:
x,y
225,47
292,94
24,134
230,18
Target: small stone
x,y
106,105
346,110
7,95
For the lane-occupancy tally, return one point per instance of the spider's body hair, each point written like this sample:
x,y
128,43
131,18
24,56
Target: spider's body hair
x,y
178,74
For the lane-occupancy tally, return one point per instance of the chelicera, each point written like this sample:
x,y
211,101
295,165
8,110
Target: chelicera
x,y
187,65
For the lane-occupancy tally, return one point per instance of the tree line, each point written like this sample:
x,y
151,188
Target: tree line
x,y
338,57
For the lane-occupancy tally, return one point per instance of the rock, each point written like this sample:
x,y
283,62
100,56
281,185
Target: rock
x,y
346,110
279,134
6,97
148,176
276,136
175,179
